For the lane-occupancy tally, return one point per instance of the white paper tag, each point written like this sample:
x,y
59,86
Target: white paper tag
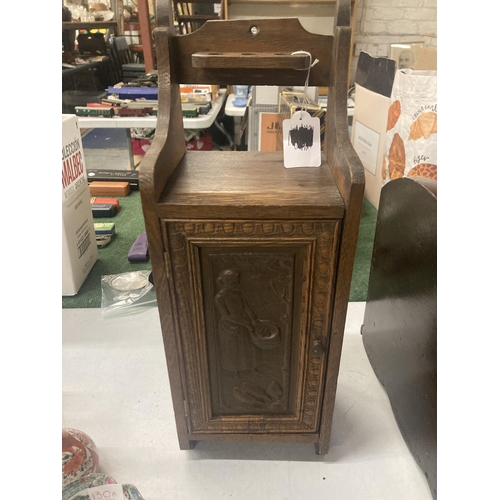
x,y
301,141
106,492
366,145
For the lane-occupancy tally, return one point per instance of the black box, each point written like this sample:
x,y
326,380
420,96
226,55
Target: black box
x,y
130,176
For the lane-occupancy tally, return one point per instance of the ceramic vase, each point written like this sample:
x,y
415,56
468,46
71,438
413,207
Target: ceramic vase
x,y
79,455
75,489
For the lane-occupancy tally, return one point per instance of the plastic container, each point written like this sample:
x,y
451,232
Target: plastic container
x,y
240,91
241,95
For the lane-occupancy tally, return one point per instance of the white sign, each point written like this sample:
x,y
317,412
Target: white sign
x,y
366,143
106,492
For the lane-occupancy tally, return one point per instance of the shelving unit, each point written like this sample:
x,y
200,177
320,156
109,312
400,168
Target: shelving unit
x,y
91,25
146,38
189,19
117,28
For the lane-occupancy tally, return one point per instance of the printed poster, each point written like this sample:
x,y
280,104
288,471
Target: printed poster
x,y
269,131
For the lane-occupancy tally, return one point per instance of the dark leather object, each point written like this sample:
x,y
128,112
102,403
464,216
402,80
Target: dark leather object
x,y
130,176
399,330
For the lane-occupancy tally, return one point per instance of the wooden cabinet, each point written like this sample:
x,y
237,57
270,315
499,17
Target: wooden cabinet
x,y
251,289
253,299
252,261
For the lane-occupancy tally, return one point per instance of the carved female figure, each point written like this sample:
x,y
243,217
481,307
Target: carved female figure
x,y
238,353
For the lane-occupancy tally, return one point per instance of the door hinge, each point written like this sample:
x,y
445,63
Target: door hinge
x,y
166,255
167,264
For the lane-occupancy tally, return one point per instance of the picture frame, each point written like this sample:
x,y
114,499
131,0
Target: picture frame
x,y
405,54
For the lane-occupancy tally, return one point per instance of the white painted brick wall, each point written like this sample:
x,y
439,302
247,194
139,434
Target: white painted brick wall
x,y
379,23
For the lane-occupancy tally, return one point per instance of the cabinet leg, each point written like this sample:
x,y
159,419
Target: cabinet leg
x,y
322,448
186,444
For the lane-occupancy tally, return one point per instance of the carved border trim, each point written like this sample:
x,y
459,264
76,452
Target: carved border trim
x,y
183,238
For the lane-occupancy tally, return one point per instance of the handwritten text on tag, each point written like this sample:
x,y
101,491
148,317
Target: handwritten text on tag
x,y
106,492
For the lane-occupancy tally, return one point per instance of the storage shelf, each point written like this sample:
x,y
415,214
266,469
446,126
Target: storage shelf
x,y
92,25
286,1
197,18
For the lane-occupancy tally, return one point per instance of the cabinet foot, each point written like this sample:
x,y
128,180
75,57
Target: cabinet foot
x,y
186,444
322,448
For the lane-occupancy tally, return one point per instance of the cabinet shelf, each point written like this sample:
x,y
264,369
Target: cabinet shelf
x,y
90,25
197,18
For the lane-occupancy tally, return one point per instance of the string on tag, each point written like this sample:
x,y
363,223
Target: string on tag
x,y
306,84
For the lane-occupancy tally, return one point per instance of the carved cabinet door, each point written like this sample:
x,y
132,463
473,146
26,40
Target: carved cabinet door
x,y
252,301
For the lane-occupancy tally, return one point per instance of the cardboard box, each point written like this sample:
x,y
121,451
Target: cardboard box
x,y
189,92
265,94
254,113
389,104
374,80
79,247
426,59
109,188
270,132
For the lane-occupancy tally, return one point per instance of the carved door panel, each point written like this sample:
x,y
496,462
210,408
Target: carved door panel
x,y
252,301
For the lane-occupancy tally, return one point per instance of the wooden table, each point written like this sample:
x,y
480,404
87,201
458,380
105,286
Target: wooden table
x,y
127,122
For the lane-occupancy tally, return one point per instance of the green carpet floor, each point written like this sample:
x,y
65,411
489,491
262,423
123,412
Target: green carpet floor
x,y
129,223
364,248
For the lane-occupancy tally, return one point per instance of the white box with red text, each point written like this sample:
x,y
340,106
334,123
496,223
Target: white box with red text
x,y
79,247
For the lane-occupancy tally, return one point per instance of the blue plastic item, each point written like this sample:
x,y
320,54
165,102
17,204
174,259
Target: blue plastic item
x,y
134,92
240,103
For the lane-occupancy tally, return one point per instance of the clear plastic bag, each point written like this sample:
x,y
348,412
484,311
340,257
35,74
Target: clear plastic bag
x,y
126,293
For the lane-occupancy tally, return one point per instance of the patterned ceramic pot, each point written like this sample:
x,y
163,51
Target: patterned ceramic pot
x,y
75,489
78,490
79,455
130,492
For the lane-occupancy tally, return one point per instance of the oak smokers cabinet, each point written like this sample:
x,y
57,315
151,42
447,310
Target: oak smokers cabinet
x,y
252,262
